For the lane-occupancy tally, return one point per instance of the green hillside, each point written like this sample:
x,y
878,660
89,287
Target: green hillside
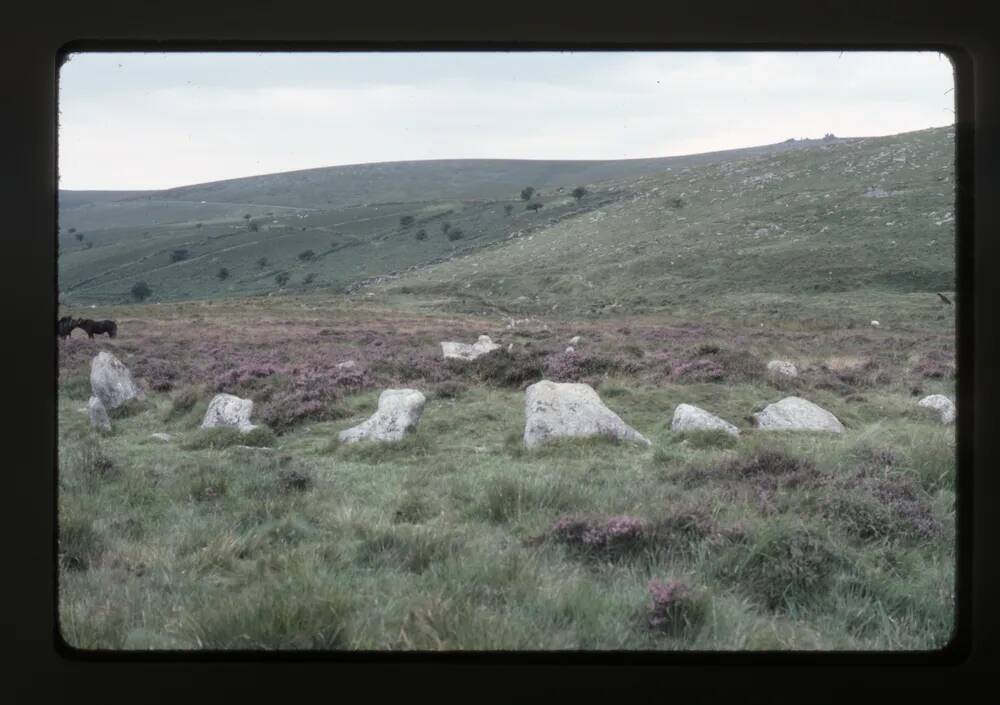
x,y
676,232
862,215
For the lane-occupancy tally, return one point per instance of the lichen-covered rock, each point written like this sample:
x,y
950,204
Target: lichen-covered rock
x,y
782,368
688,417
463,351
111,381
570,410
229,410
98,415
944,406
397,415
797,414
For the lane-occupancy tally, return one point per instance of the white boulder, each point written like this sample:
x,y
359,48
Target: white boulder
x,y
98,415
782,368
575,340
570,349
797,414
229,410
570,410
346,365
161,436
463,351
111,381
688,417
875,324
941,404
397,415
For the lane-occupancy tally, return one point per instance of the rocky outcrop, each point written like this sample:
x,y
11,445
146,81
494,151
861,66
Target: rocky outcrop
x,y
570,410
944,406
797,414
688,417
463,351
397,415
229,410
111,381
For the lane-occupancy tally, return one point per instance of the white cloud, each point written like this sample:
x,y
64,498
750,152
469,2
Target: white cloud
x,y
154,121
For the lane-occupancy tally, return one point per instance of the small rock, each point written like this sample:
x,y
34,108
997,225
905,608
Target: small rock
x,y
98,415
570,410
397,415
570,349
941,404
161,436
875,324
229,410
348,365
688,417
782,368
575,340
797,414
463,351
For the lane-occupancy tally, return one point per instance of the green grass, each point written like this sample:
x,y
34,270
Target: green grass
x,y
439,542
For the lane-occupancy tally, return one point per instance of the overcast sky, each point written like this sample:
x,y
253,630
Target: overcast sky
x,y
150,121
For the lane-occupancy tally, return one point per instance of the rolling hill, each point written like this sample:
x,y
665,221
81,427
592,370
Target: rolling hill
x,y
678,232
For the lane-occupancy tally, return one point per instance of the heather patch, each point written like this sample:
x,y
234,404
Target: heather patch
x,y
224,437
675,608
612,538
935,364
588,368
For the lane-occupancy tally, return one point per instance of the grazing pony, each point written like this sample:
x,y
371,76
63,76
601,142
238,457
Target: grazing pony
x,y
91,327
65,326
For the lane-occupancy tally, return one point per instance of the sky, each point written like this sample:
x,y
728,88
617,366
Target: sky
x,y
134,121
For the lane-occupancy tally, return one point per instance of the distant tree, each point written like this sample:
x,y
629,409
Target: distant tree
x,y
262,262
253,227
508,209
307,255
141,291
79,237
178,255
309,278
445,227
421,234
533,206
281,278
455,234
527,193
223,273
406,221
246,216
579,192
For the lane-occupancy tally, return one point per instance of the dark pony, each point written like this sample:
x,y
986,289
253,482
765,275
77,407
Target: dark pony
x,y
98,327
65,326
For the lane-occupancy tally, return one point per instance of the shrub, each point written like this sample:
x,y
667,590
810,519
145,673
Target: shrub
x,y
295,478
178,255
309,278
615,537
455,234
80,546
223,273
675,607
421,234
406,221
503,369
508,209
184,401
783,567
253,227
579,192
448,390
445,227
527,193
79,237
307,255
141,291
262,262
281,278
677,203
533,206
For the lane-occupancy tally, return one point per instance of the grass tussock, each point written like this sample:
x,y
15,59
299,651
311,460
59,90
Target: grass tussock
x,y
225,437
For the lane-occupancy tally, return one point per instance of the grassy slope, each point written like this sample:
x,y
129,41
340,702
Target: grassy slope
x,y
753,236
128,240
